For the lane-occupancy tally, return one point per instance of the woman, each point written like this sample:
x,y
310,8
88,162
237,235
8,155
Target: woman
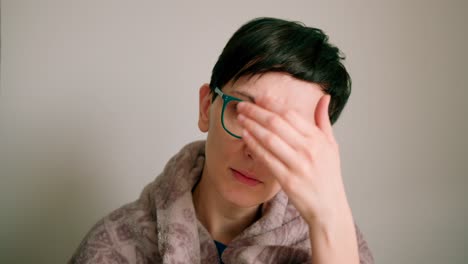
x,y
266,186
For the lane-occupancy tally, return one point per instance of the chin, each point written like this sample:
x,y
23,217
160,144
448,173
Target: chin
x,y
243,197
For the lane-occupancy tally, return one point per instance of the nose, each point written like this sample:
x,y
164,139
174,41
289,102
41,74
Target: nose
x,y
248,152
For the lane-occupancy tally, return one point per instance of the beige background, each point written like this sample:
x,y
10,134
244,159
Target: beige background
x,y
97,95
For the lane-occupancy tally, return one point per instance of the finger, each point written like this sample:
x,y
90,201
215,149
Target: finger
x,y
271,142
302,125
322,118
277,168
273,122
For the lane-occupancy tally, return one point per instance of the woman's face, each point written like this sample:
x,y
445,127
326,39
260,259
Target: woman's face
x,y
230,168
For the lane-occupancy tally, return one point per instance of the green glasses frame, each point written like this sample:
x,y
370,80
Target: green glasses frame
x,y
226,99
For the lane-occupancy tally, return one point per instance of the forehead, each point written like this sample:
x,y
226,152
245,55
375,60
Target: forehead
x,y
297,94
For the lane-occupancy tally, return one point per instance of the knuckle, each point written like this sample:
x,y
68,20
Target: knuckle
x,y
270,139
273,121
292,117
248,110
289,114
267,99
310,153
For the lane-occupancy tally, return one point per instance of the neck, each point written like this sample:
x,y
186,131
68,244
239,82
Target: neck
x,y
223,219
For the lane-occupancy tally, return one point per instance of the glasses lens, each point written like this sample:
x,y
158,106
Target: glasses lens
x,y
230,118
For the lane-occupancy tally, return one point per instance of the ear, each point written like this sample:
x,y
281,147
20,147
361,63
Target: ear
x,y
204,107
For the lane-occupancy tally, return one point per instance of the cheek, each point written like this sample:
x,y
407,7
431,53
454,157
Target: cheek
x,y
273,188
221,147
216,133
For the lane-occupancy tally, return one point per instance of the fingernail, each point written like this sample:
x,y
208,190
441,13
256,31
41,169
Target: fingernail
x,y
241,117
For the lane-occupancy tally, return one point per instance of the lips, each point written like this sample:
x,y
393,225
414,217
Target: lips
x,y
245,177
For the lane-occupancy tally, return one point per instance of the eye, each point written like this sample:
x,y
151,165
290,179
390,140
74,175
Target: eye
x,y
232,107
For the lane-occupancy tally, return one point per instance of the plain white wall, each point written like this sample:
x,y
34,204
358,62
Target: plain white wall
x,y
96,96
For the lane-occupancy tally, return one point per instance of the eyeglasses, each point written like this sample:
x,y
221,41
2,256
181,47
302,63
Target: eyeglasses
x,y
229,114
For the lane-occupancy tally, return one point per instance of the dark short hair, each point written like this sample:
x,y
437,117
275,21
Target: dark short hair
x,y
275,45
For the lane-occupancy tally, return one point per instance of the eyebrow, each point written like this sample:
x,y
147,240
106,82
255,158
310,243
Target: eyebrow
x,y
251,98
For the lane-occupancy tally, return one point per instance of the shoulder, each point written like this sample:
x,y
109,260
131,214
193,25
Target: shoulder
x,y
126,235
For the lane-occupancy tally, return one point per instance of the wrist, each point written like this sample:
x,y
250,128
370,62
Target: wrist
x,y
331,216
333,238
